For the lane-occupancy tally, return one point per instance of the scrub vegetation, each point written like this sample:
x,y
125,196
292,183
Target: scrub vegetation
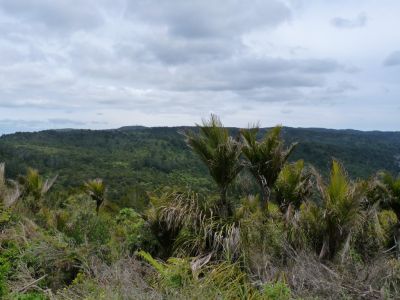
x,y
246,219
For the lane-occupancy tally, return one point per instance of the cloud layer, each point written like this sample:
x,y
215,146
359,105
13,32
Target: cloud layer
x,y
106,63
359,21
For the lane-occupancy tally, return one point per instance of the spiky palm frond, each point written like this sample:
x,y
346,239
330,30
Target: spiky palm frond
x,y
96,189
35,185
200,229
293,186
219,152
392,186
341,209
392,200
9,189
265,158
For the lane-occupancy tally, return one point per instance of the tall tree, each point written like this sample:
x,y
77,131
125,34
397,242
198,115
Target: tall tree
x,y
265,158
220,153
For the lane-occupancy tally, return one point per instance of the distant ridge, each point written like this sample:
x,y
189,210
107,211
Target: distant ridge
x,y
154,157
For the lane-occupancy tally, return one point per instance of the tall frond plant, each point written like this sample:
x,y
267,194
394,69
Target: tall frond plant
x,y
341,214
10,190
35,187
265,158
293,187
200,230
392,200
96,189
220,153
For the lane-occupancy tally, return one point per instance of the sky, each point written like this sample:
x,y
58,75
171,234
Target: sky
x,y
105,64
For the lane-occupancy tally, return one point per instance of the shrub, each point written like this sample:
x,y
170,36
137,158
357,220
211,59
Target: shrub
x,y
80,222
5,268
132,233
30,296
277,291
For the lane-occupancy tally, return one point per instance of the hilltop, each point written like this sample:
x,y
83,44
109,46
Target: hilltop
x,y
134,159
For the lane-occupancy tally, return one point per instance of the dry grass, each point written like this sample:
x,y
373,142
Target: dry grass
x,y
309,277
124,279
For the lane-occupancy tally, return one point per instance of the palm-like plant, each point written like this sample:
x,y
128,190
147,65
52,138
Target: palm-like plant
x,y
341,210
220,153
36,187
9,190
265,158
96,189
198,229
392,186
293,186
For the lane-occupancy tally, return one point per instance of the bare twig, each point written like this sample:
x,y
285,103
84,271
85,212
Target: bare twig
x,y
32,283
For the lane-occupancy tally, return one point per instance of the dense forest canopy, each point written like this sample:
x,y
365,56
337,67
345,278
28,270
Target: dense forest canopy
x,y
136,159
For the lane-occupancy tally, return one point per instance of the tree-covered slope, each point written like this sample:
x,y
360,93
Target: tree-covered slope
x,y
132,160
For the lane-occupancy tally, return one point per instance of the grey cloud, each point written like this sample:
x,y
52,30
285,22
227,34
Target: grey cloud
x,y
12,125
249,73
392,60
200,19
62,121
55,15
343,23
179,51
286,111
341,87
147,56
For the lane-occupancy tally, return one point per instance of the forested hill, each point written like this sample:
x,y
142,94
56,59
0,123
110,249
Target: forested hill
x,y
136,159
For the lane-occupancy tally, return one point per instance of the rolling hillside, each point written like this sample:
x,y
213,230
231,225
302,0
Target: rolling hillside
x,y
137,159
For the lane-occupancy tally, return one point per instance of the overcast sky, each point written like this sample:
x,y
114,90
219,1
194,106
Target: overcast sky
x,y
110,63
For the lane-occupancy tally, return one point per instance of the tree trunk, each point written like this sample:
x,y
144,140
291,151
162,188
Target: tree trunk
x,y
397,240
325,248
288,212
265,195
98,204
225,207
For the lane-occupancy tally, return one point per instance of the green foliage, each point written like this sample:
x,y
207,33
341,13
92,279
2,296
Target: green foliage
x,y
174,274
9,190
85,226
136,198
262,242
131,233
180,279
34,189
293,186
193,227
192,245
387,219
30,296
5,217
149,158
276,291
96,189
265,158
340,214
220,153
4,271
